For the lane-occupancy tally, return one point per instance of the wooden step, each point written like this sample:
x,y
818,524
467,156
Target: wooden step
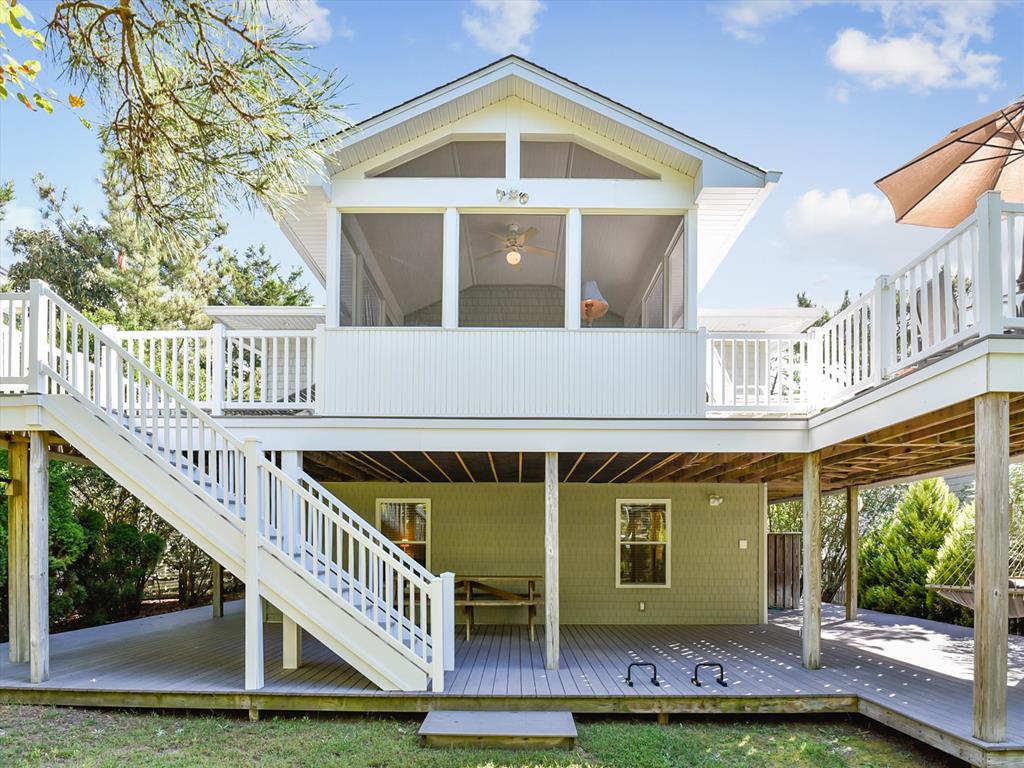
x,y
506,730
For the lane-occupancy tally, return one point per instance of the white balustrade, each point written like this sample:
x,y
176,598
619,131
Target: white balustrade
x,y
757,372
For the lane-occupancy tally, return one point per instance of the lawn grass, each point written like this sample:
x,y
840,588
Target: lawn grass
x,y
46,736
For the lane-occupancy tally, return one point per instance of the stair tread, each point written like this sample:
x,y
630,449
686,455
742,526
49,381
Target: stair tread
x,y
507,724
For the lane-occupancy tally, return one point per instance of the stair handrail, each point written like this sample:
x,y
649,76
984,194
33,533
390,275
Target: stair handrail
x,y
150,405
325,496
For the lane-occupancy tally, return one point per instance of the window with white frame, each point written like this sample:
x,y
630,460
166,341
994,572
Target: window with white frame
x,y
406,522
642,548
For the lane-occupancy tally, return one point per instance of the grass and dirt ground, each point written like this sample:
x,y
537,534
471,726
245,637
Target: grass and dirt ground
x,y
48,736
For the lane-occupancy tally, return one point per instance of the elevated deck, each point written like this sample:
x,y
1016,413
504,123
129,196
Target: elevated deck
x,y
191,660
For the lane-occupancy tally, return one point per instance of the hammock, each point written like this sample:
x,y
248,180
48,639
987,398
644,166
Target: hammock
x,y
952,577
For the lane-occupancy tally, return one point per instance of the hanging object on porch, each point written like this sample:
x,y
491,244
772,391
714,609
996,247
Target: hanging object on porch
x,y
952,576
593,305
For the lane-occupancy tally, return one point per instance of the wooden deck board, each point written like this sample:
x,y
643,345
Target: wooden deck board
x,y
192,653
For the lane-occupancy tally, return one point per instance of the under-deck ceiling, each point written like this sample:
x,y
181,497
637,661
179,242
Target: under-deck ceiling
x,y
931,444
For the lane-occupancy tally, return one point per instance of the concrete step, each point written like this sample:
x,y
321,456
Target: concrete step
x,y
504,730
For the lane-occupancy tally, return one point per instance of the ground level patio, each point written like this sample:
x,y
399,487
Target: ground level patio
x,y
189,659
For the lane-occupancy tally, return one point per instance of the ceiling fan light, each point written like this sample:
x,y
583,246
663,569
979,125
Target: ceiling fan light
x,y
513,257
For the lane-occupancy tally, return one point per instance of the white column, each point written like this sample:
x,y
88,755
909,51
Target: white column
x,y
991,562
291,465
332,249
811,633
762,555
690,296
291,643
512,147
217,589
573,267
551,625
852,549
988,282
450,270
253,609
38,559
17,550
218,354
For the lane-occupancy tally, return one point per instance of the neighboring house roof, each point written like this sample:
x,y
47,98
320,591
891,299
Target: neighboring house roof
x,y
730,190
763,320
760,319
247,318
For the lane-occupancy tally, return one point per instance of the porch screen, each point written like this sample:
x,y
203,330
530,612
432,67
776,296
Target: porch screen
x,y
643,543
405,522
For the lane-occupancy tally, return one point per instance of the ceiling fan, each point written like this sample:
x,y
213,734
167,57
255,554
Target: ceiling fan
x,y
514,245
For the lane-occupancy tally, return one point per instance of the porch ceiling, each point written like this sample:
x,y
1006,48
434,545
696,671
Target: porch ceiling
x,y
933,444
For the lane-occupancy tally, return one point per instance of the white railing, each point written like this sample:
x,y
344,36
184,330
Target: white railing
x,y
232,370
1012,257
65,354
930,303
13,360
757,372
841,361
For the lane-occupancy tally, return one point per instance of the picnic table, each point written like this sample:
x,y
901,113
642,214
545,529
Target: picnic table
x,y
473,592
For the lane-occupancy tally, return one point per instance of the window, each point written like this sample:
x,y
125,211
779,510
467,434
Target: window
x,y
642,555
406,522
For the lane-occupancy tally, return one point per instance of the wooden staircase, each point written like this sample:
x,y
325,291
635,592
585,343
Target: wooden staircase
x,y
306,552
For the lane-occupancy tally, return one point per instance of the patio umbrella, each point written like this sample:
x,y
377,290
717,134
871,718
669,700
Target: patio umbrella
x,y
939,187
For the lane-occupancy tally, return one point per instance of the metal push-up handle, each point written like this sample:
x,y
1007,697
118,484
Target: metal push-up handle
x,y
654,673
720,679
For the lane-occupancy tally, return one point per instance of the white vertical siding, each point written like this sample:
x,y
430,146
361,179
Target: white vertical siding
x,y
502,373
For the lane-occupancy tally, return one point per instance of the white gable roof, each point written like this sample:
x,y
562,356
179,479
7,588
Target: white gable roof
x,y
730,190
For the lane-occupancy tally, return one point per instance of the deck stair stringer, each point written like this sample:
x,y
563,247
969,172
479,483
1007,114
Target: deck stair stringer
x,y
357,593
175,499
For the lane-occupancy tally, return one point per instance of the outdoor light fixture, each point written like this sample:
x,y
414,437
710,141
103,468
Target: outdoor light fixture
x,y
512,195
593,305
513,257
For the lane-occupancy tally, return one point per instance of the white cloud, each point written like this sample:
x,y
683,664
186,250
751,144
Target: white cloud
x,y
922,44
853,229
310,15
744,19
502,26
925,45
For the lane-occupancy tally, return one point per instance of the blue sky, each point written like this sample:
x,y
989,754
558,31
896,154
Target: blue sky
x,y
832,94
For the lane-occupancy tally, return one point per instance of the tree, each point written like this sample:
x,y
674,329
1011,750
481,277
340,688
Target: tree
x,y
253,279
199,102
877,505
67,542
896,559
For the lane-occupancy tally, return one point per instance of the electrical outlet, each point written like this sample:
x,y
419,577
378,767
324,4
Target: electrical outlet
x,y
743,543
643,606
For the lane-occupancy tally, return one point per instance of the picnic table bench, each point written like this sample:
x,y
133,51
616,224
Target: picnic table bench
x,y
473,592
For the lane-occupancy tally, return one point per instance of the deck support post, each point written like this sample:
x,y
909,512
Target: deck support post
x,y
38,558
991,563
217,589
253,608
852,549
551,628
291,646
450,269
811,632
762,555
17,549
